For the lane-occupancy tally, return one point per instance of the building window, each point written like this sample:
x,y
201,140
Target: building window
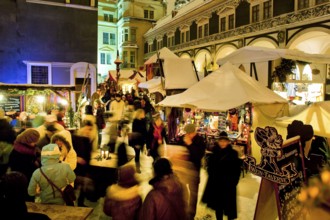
x,y
223,24
170,41
133,35
108,58
149,14
105,38
102,58
203,30
112,39
303,4
149,48
124,35
146,14
132,59
159,44
318,2
255,13
267,9
125,59
108,17
185,36
39,73
231,23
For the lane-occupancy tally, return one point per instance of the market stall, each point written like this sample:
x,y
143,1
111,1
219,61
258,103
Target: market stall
x,y
296,76
226,89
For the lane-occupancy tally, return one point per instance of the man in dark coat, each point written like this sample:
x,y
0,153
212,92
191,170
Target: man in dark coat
x,y
224,169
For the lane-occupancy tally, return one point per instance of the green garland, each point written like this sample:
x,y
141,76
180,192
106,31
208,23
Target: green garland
x,y
283,70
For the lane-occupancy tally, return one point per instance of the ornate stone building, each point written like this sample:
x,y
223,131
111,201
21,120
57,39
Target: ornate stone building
x,y
207,30
121,23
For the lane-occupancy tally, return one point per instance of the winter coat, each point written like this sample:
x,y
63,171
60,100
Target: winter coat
x,y
23,159
83,149
99,118
118,109
224,169
59,173
197,151
166,201
122,203
151,141
139,129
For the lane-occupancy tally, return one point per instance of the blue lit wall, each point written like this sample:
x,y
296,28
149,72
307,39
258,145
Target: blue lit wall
x,y
34,32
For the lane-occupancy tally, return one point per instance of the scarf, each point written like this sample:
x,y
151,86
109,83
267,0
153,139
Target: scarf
x,y
24,148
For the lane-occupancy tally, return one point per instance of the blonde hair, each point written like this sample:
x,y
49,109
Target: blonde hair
x,y
138,113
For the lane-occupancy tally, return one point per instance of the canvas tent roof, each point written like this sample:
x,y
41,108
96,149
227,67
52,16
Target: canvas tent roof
x,y
153,85
163,54
250,54
226,88
317,115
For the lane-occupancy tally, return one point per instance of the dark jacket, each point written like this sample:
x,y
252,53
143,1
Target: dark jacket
x,y
224,169
99,118
122,203
83,148
139,129
23,161
166,201
197,151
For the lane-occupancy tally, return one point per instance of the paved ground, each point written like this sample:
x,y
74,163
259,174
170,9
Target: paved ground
x,y
247,194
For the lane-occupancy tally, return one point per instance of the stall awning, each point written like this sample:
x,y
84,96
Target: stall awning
x,y
226,88
317,115
153,85
36,86
164,53
250,54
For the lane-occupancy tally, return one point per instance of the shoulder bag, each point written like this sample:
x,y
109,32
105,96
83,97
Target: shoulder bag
x,y
67,194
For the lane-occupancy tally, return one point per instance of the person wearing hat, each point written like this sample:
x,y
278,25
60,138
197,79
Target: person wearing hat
x,y
123,201
63,140
23,157
224,168
167,198
196,146
59,173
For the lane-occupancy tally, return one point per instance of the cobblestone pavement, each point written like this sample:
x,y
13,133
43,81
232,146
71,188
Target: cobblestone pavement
x,y
247,194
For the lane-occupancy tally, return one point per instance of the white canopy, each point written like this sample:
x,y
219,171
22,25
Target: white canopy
x,y
153,85
163,54
317,115
251,54
225,88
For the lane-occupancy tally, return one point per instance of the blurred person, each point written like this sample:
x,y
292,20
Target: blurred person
x,y
50,124
99,115
224,168
63,140
155,136
23,157
166,201
13,187
96,95
117,107
49,132
122,201
93,134
196,146
7,138
110,132
59,173
138,136
83,148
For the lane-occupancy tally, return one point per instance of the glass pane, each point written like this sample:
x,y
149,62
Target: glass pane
x,y
105,38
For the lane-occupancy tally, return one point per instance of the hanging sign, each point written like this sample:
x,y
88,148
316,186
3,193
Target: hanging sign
x,y
11,103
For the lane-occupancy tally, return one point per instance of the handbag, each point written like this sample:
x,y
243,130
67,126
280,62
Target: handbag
x,y
67,194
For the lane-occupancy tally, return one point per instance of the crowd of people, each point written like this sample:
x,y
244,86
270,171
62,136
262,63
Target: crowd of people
x,y
44,152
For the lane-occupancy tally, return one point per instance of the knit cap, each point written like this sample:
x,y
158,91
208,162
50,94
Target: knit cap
x,y
28,136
